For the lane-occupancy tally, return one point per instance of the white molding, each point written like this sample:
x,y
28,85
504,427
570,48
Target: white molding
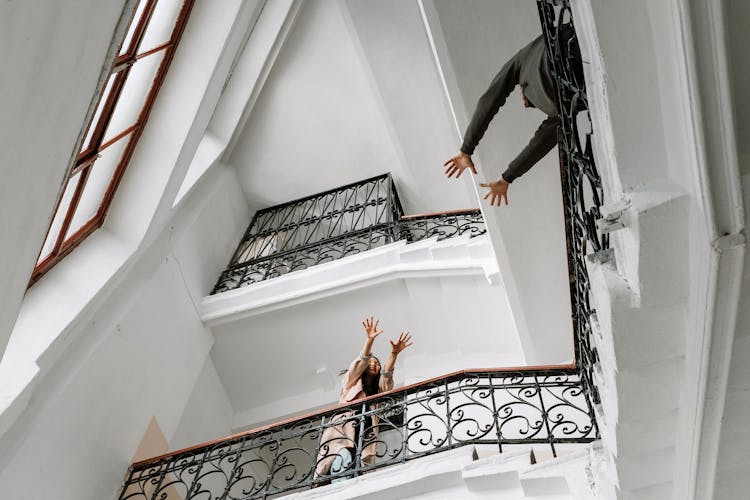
x,y
369,268
401,481
707,99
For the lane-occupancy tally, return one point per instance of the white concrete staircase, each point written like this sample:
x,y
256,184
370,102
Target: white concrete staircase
x,y
640,328
461,474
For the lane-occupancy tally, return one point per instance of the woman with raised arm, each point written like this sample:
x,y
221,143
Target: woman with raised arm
x,y
363,378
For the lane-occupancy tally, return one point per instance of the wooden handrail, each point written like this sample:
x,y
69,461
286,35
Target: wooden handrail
x,y
437,214
540,368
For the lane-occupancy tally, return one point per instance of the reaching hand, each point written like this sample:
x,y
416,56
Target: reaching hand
x,y
498,190
404,341
371,327
459,163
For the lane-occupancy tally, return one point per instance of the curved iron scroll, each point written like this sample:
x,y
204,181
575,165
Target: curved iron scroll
x,y
583,194
278,263
501,408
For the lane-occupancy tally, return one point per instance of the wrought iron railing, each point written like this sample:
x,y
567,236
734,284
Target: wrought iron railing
x,y
501,407
332,225
583,194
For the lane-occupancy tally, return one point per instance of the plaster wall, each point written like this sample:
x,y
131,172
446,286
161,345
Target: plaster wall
x,y
144,365
288,361
733,466
52,70
318,123
479,36
737,13
641,148
73,290
392,42
140,353
208,412
733,463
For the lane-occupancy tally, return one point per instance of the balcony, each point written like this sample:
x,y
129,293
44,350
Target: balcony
x,y
505,408
331,225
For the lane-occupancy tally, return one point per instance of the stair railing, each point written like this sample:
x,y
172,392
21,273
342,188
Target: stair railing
x,y
509,407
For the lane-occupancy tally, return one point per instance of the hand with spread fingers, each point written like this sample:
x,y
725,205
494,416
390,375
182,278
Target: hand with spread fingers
x,y
371,327
497,190
458,164
404,341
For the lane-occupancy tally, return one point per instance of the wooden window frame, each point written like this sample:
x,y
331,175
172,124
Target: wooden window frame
x,y
98,124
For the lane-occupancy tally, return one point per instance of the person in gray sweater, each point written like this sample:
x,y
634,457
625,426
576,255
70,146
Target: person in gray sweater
x,y
529,68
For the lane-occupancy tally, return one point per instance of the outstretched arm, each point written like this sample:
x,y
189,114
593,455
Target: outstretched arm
x,y
543,141
487,107
545,138
404,341
386,379
490,103
371,329
360,362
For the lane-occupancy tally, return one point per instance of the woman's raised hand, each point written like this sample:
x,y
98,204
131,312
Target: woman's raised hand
x,y
371,327
404,341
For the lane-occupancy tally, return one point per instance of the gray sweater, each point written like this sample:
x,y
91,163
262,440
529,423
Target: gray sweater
x,y
528,68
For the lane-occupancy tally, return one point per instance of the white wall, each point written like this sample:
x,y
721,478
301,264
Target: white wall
x,y
208,412
733,464
738,40
138,354
395,49
733,467
66,293
93,410
288,360
52,53
478,37
319,122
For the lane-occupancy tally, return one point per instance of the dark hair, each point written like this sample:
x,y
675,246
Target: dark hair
x,y
371,383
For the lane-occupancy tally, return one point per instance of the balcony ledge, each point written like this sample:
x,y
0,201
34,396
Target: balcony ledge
x,y
427,258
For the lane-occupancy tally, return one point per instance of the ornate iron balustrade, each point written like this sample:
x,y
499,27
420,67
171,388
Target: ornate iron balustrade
x,y
583,194
331,225
501,407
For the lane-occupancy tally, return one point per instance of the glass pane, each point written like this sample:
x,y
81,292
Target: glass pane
x,y
160,26
134,93
62,209
133,25
98,113
99,179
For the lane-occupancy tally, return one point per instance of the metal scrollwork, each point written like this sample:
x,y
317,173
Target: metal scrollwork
x,y
332,225
491,407
583,193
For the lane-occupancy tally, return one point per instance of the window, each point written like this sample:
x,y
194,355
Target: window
x,y
113,131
